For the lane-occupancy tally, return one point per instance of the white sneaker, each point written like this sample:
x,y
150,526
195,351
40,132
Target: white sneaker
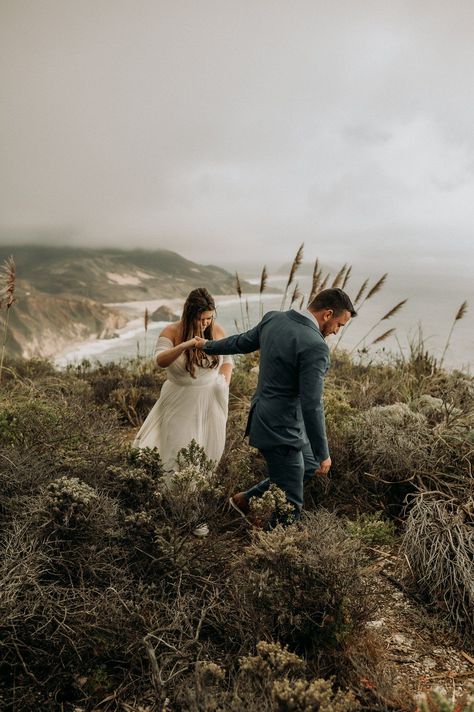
x,y
201,531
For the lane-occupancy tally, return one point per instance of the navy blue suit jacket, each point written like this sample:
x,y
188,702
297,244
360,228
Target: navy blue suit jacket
x,y
287,407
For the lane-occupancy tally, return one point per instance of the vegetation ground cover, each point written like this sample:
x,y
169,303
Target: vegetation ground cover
x,y
108,602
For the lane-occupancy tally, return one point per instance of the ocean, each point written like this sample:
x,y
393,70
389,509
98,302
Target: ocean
x,y
429,312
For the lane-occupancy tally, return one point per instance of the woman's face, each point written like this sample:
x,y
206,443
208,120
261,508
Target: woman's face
x,y
204,320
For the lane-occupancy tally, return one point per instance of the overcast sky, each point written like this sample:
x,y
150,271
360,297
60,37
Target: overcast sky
x,y
234,130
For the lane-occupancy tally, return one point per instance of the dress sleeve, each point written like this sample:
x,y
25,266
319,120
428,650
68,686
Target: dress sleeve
x,y
227,359
163,344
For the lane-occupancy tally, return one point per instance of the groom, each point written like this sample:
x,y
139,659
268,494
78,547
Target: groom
x,y
286,420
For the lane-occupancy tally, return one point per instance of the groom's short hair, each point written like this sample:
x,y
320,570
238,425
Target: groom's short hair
x,y
335,299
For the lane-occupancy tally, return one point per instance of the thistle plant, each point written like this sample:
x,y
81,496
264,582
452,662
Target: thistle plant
x,y
7,299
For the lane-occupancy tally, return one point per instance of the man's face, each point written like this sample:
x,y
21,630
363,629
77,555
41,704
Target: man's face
x,y
331,324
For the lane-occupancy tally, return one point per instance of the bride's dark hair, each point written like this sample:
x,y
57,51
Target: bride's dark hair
x,y
198,301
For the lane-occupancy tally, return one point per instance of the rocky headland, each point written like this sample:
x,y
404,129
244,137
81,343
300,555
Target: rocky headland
x,y
65,294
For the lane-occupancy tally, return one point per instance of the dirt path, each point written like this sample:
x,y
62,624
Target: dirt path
x,y
421,650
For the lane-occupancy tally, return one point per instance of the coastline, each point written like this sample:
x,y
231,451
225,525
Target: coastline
x,y
132,341
84,349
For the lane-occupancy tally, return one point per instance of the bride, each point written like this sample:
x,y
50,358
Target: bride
x,y
193,401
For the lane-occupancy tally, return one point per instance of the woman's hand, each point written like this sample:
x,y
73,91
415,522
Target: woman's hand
x,y
200,342
190,344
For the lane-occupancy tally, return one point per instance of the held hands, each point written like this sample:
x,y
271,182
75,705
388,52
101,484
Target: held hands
x,y
199,342
324,467
195,343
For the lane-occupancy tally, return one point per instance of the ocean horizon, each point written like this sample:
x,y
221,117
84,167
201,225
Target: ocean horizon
x,y
429,312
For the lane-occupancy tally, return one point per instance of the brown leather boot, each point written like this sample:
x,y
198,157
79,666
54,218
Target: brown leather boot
x,y
240,503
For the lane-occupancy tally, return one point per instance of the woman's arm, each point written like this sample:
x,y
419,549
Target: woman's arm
x,y
165,358
226,368
226,371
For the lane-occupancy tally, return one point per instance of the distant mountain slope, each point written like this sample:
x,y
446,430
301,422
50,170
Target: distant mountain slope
x,y
63,292
116,275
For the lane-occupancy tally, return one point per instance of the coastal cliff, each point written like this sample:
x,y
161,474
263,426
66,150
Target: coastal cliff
x,y
42,325
66,294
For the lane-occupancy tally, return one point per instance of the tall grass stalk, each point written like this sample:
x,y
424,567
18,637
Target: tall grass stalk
x,y
263,284
376,288
383,336
461,312
238,288
361,291
7,297
394,310
346,277
296,295
338,279
324,283
316,280
359,304
146,320
296,263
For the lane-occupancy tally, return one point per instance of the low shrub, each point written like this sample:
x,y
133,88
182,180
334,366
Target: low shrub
x,y
305,583
371,529
436,701
439,545
272,505
390,442
273,680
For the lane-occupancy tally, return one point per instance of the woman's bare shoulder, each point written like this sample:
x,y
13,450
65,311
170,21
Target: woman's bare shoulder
x,y
170,332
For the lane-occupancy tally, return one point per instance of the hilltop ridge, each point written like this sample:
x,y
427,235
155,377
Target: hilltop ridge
x,y
67,294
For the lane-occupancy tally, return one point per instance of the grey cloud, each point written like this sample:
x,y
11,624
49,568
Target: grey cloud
x,y
251,126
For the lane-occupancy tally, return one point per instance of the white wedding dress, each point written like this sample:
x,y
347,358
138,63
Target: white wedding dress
x,y
188,408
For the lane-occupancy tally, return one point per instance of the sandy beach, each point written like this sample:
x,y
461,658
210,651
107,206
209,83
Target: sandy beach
x,y
135,310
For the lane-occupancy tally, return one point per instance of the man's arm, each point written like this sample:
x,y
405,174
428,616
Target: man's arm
x,y
238,344
313,367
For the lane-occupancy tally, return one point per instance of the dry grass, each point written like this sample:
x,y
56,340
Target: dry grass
x,y
108,600
439,545
460,314
7,298
294,267
394,310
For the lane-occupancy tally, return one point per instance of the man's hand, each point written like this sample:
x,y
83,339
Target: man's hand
x,y
324,467
200,342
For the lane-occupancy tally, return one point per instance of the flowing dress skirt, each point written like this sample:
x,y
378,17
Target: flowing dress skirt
x,y
187,409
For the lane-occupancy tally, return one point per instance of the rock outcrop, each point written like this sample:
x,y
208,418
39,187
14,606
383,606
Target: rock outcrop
x,y
164,313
